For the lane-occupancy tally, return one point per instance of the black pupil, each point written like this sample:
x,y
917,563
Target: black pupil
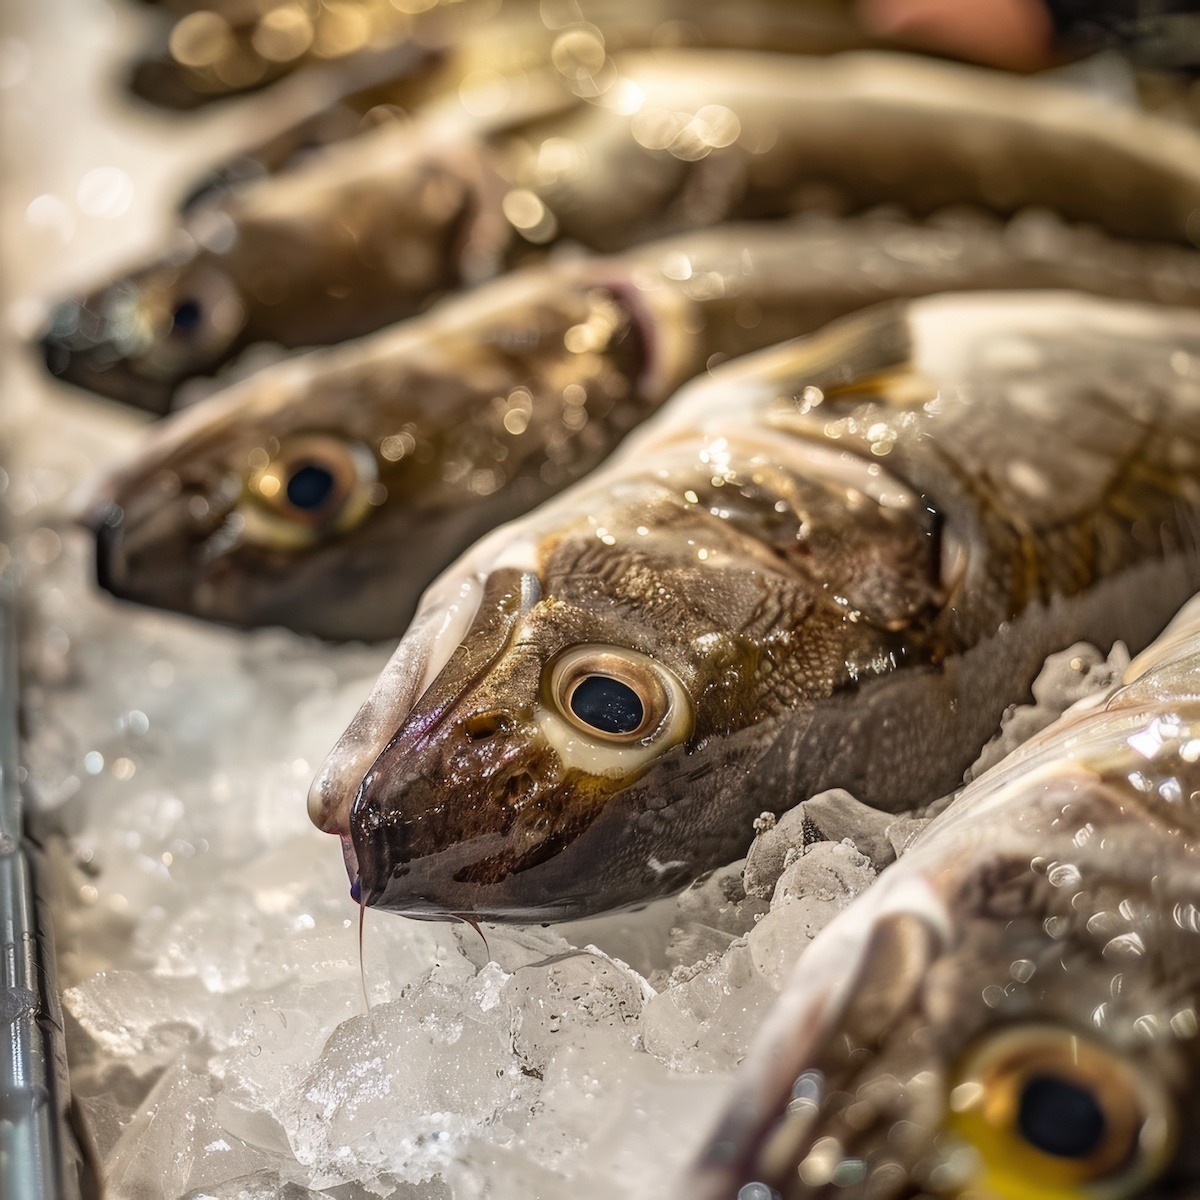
x,y
607,704
309,487
186,317
1059,1117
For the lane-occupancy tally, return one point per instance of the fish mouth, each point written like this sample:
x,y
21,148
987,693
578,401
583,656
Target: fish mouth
x,y
350,858
149,549
76,348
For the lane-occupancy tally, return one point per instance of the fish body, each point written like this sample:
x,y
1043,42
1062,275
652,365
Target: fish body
x,y
377,227
435,432
834,563
1011,1011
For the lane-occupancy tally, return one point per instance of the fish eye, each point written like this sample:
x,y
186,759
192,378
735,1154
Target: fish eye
x,y
317,483
1052,1115
186,317
617,696
607,705
310,486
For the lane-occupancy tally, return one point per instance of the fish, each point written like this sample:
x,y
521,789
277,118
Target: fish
x,y
226,50
831,563
1011,1009
376,228
218,51
416,441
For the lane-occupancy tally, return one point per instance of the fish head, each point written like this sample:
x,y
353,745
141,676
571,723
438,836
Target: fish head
x,y
137,338
579,744
233,508
1007,1017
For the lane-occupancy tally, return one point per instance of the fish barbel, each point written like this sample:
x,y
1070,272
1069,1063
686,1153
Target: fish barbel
x,y
327,492
1011,1011
833,563
375,228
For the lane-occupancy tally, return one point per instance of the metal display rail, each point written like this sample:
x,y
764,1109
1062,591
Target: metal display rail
x,y
40,1158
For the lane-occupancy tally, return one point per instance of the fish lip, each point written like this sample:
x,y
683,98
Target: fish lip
x,y
350,858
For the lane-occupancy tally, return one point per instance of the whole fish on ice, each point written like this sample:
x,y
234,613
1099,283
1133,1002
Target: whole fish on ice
x,y
375,228
327,492
833,563
1011,1012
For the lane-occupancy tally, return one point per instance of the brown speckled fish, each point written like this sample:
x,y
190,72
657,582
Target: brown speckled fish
x,y
833,563
375,228
327,492
1011,1012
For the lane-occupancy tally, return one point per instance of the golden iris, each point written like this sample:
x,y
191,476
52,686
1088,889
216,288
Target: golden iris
x,y
1053,1115
316,484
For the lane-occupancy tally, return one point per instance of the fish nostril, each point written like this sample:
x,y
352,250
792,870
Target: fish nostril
x,y
109,528
485,725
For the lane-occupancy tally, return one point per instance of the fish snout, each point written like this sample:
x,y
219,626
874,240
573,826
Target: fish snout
x,y
78,346
458,826
160,544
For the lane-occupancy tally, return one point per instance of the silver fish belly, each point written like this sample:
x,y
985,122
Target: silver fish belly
x,y
833,563
374,229
1011,1011
326,493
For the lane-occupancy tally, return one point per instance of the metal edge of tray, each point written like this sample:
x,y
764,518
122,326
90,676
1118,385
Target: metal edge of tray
x,y
40,1157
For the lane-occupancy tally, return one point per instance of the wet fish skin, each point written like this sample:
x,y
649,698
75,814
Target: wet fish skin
x,y
378,227
494,35
492,403
1051,908
870,539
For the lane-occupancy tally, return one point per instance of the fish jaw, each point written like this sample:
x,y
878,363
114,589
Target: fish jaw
x,y
446,613
148,545
138,338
